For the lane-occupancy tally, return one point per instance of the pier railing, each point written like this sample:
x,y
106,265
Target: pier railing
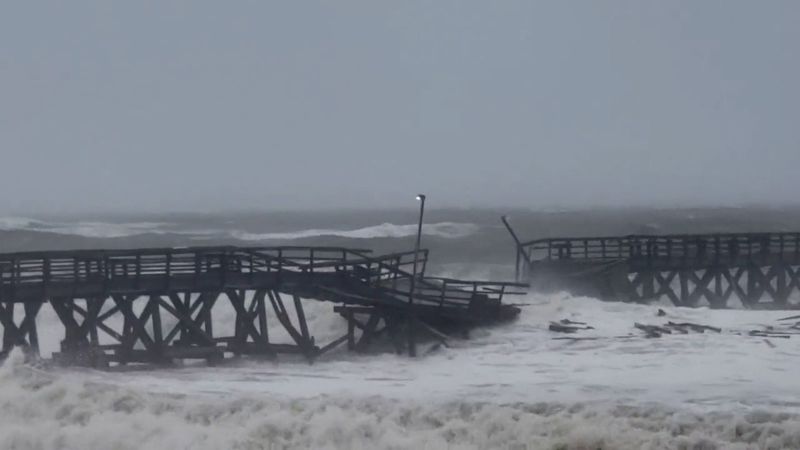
x,y
727,246
387,277
81,266
447,292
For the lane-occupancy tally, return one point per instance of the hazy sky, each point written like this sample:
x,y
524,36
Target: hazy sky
x,y
205,105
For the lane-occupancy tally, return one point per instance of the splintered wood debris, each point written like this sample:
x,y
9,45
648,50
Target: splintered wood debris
x,y
780,331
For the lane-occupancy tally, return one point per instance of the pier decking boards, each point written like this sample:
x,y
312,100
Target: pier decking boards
x,y
751,270
128,297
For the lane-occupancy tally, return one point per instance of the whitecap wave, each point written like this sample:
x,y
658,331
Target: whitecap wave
x,y
98,229
64,411
453,230
511,386
84,229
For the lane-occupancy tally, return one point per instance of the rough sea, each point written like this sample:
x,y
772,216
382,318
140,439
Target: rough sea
x,y
511,386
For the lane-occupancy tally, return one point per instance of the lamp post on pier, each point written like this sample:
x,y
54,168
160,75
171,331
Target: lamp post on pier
x,y
412,344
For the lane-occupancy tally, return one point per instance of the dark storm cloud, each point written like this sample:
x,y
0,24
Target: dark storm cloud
x,y
209,105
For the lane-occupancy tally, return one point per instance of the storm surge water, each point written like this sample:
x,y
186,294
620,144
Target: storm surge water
x,y
386,230
515,386
511,386
42,411
103,230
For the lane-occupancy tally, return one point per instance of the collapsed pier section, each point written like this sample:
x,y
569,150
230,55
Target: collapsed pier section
x,y
159,305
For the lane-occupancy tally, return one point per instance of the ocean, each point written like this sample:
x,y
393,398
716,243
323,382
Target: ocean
x,y
512,386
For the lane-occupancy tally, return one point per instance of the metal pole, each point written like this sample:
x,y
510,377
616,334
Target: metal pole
x,y
412,344
520,252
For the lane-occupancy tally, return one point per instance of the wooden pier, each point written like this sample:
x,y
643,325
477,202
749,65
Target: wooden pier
x,y
157,305
750,270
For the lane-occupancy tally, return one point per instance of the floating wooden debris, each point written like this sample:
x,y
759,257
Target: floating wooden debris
x,y
569,326
559,328
572,322
758,333
652,331
592,338
696,327
678,329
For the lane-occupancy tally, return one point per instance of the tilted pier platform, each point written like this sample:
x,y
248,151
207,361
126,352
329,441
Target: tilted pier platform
x,y
114,305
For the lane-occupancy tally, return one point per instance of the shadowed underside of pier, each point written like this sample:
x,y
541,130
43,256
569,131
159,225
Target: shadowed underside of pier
x,y
158,305
750,270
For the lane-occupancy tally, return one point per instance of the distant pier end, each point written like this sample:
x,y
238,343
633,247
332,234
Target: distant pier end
x,y
750,270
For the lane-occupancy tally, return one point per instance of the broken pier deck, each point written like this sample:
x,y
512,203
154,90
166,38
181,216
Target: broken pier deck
x,y
158,305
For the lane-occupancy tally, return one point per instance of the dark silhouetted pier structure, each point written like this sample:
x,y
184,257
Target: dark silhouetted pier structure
x,y
157,305
751,270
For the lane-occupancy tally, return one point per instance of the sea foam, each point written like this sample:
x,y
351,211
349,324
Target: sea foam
x,y
63,411
452,230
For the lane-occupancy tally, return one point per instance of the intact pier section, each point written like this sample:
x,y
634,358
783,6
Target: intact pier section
x,y
157,305
750,270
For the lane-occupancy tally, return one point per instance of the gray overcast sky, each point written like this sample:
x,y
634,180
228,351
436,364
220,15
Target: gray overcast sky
x,y
207,105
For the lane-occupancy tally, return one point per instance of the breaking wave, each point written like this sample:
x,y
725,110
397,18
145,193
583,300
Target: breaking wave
x,y
84,229
40,410
101,230
452,230
509,387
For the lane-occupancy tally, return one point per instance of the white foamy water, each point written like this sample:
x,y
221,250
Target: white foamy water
x,y
511,386
385,230
84,229
102,230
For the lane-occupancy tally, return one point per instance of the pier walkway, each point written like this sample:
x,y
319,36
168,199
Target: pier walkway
x,y
751,270
157,305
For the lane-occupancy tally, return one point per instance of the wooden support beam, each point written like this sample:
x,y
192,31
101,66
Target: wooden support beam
x,y
28,325
23,335
135,329
283,318
351,329
301,317
10,338
155,313
392,326
332,345
245,318
261,312
665,286
369,332
98,323
683,277
193,332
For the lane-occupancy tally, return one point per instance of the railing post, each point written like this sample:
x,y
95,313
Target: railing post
x,y
223,263
280,264
197,268
46,272
104,272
